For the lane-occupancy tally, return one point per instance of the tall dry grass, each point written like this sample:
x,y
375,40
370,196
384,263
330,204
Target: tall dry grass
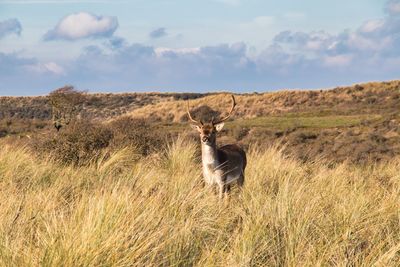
x,y
154,212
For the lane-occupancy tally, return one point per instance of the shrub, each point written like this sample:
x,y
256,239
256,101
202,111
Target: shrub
x,y
84,142
79,144
135,133
186,96
204,113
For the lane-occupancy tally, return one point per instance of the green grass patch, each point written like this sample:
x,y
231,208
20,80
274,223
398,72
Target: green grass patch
x,y
305,122
285,122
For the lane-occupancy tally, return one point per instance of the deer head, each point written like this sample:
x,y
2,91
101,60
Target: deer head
x,y
208,130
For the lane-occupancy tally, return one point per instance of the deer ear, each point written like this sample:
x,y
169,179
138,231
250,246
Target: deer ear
x,y
219,126
195,127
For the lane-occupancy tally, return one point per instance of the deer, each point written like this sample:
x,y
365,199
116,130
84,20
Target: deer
x,y
221,166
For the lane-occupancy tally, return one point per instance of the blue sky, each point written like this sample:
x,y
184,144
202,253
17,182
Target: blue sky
x,y
198,46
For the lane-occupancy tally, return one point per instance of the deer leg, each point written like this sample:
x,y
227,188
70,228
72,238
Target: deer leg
x,y
227,189
240,181
221,190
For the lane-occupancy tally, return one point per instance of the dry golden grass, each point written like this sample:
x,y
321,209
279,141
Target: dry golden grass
x,y
358,99
154,212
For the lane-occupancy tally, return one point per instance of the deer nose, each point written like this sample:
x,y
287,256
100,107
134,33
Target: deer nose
x,y
205,138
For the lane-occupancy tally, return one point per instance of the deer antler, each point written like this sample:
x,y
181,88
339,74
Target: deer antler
x,y
190,116
229,114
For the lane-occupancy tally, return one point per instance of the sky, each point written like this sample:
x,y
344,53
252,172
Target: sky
x,y
196,46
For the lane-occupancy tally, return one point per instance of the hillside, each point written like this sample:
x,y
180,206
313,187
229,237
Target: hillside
x,y
379,97
95,106
358,123
383,97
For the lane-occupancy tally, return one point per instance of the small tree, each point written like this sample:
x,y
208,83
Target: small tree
x,y
65,103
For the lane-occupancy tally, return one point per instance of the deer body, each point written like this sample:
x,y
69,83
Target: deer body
x,y
221,166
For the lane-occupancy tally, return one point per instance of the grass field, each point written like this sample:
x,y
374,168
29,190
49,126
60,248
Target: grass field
x,y
322,183
290,121
154,211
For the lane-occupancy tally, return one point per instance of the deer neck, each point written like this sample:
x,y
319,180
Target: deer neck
x,y
209,154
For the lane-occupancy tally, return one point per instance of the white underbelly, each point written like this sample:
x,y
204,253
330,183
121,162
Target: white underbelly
x,y
219,177
210,177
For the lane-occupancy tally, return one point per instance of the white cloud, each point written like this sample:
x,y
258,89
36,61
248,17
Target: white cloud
x,y
338,61
83,25
362,43
294,59
46,68
54,68
160,51
372,25
10,26
393,7
302,42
